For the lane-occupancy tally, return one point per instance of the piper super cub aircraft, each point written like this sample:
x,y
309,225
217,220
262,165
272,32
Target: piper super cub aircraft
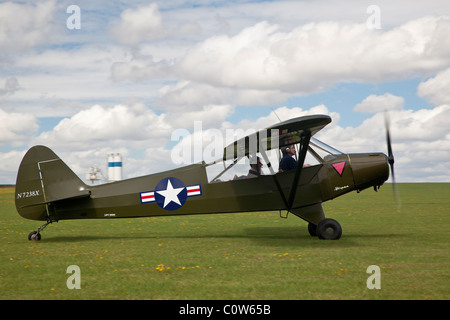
x,y
48,190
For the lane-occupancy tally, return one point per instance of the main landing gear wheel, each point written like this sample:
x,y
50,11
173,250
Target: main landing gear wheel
x,y
329,229
312,228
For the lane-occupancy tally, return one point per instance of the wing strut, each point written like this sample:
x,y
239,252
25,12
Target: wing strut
x,y
304,143
283,197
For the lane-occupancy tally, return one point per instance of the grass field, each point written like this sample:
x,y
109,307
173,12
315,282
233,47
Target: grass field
x,y
238,256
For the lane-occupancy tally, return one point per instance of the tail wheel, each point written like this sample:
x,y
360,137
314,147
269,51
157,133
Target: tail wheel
x,y
329,229
34,236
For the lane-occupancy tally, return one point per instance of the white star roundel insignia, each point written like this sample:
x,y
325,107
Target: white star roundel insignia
x,y
170,193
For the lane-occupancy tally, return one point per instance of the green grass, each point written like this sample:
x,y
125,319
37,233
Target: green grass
x,y
237,256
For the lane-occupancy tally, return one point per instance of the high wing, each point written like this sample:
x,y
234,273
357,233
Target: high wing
x,y
279,135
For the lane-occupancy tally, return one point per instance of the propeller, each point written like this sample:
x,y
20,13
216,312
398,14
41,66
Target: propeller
x,y
391,160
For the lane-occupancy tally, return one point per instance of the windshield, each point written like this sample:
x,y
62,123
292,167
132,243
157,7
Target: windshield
x,y
323,146
322,152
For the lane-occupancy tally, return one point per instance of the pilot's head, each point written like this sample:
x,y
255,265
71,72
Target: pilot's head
x,y
289,150
255,162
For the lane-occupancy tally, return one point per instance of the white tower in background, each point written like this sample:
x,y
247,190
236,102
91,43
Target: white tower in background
x,y
114,167
117,167
111,167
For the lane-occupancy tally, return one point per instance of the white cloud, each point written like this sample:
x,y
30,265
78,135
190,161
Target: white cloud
x,y
141,24
311,56
11,86
210,115
16,127
146,23
220,17
194,96
266,63
423,125
263,65
141,68
101,126
385,102
58,82
436,89
131,125
9,163
24,26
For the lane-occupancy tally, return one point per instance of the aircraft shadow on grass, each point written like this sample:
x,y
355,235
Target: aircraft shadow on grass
x,y
264,236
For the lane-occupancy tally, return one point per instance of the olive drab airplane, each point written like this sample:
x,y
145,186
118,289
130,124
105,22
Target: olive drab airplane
x,y
48,190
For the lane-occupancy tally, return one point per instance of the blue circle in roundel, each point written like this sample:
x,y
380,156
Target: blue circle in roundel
x,y
170,193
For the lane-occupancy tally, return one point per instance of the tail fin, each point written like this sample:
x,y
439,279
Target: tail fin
x,y
42,179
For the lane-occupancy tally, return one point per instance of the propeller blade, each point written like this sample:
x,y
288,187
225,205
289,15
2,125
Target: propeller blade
x,y
388,140
391,160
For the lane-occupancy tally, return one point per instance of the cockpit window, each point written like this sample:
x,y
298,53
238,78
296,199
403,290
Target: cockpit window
x,y
230,170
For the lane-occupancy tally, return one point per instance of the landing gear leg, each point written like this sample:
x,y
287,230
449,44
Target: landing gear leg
x,y
51,217
36,235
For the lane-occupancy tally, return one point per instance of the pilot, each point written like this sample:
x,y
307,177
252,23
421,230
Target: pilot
x,y
255,168
287,162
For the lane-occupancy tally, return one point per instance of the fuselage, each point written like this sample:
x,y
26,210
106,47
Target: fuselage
x,y
186,191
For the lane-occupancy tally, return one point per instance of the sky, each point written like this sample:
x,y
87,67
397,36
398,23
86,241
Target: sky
x,y
88,78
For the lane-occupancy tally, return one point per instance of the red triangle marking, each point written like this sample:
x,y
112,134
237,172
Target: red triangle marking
x,y
339,167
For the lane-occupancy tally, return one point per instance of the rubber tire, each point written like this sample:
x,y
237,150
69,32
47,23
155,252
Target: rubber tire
x,y
34,236
312,229
329,229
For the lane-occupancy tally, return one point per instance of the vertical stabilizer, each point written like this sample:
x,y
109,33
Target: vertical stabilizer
x,y
44,178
